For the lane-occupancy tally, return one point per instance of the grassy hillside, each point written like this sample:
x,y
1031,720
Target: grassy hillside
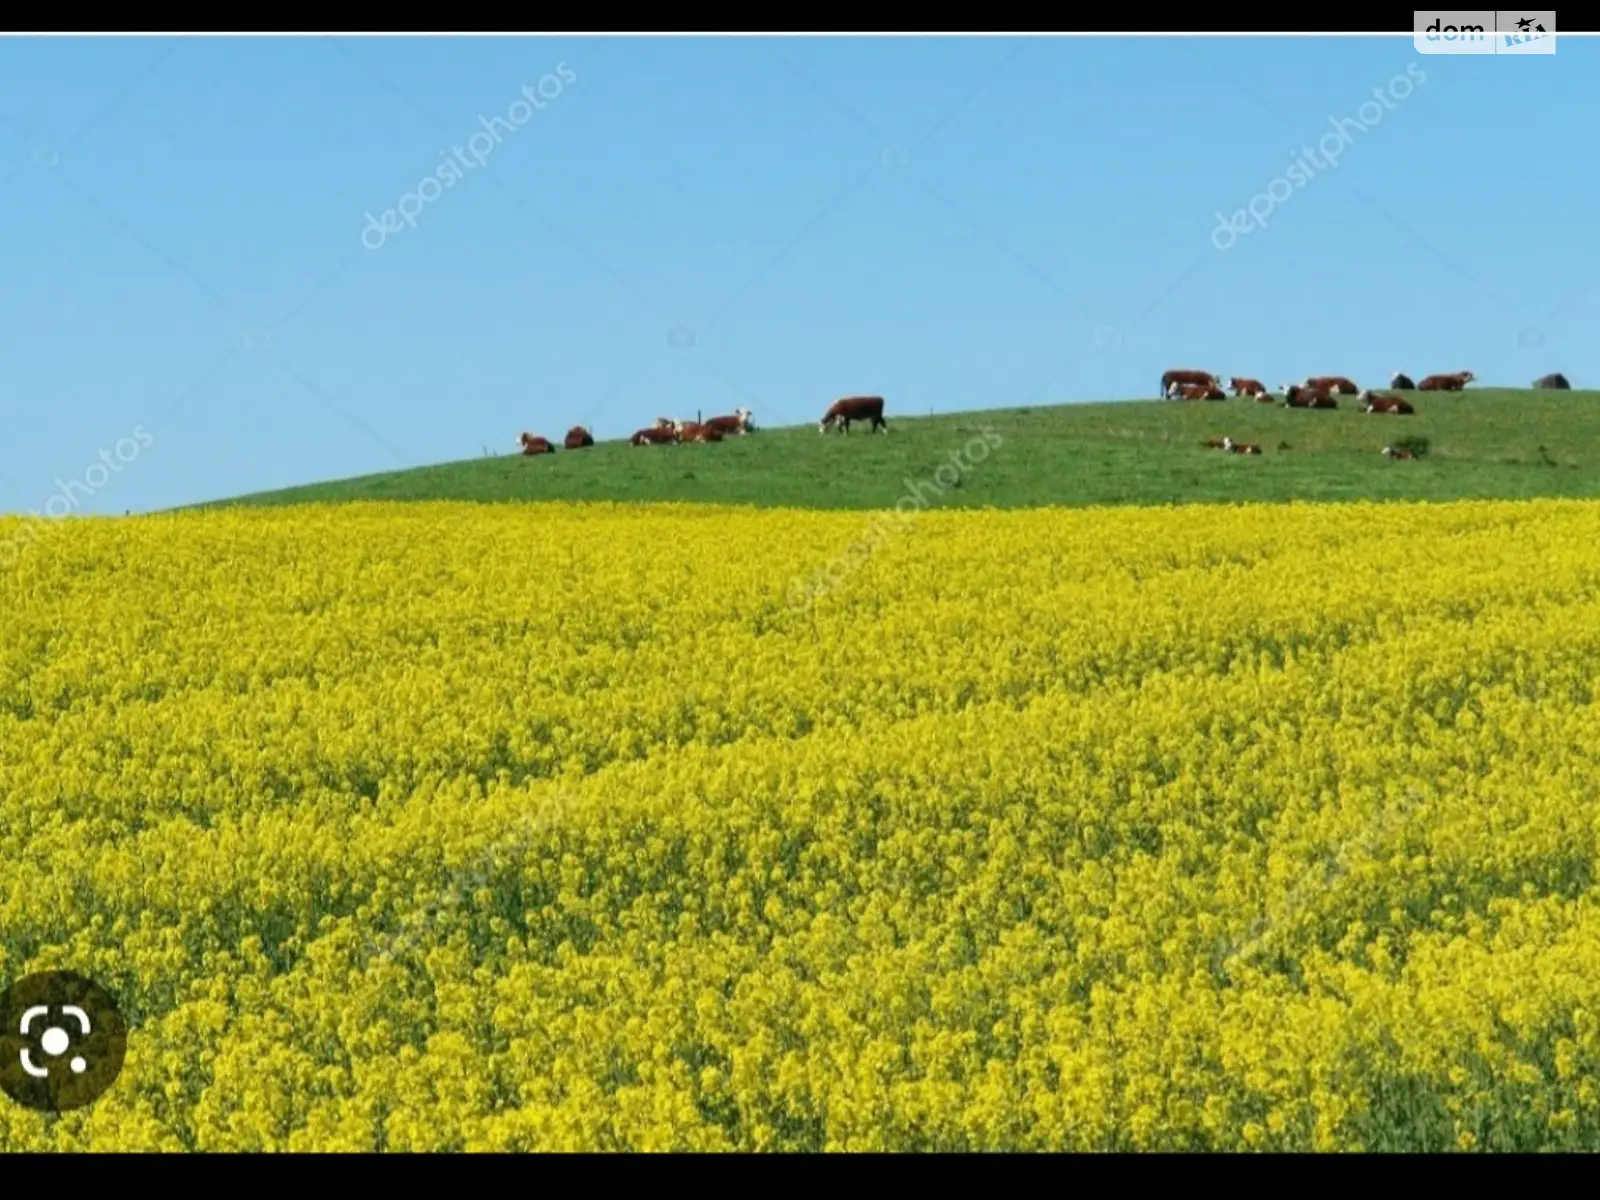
x,y
1499,444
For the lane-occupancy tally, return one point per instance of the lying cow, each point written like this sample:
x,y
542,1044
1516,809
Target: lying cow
x,y
1556,382
1246,387
578,437
654,436
1233,447
1380,402
1295,396
1401,382
1332,384
854,408
532,444
1185,378
739,423
1446,383
1401,455
693,431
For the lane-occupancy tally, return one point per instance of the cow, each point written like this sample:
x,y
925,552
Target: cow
x,y
1380,402
1214,444
578,437
1233,447
1168,378
694,431
1556,382
666,423
1246,387
533,444
1402,454
854,408
1295,396
1332,384
1402,382
1446,383
739,423
654,436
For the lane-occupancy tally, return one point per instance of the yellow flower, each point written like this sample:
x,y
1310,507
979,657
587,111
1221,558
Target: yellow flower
x,y
446,827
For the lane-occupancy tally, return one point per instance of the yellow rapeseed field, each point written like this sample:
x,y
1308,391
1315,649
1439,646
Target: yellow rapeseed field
x,y
448,827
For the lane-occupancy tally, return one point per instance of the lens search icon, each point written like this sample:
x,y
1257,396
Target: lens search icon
x,y
62,1043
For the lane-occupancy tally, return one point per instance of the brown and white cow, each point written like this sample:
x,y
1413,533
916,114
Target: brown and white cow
x,y
1182,377
1402,454
1454,382
694,431
1246,387
854,408
654,436
1295,396
737,424
1233,447
1381,402
1332,384
533,444
578,437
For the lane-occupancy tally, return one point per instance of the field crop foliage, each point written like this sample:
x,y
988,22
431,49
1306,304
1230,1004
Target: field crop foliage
x,y
437,826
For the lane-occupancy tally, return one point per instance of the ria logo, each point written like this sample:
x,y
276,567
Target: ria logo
x,y
1529,29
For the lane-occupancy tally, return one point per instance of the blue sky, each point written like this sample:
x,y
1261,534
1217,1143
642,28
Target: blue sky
x,y
690,224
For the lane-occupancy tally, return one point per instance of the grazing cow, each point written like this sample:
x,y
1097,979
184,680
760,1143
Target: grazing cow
x,y
1332,384
532,444
1233,447
654,436
1556,382
578,437
1246,387
1380,402
1403,455
1446,383
1401,382
1168,378
854,408
1295,396
693,431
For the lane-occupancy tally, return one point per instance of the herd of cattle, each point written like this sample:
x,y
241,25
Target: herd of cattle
x,y
1321,392
1317,392
668,432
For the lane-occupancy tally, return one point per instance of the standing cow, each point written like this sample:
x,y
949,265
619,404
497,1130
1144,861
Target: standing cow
x,y
854,408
